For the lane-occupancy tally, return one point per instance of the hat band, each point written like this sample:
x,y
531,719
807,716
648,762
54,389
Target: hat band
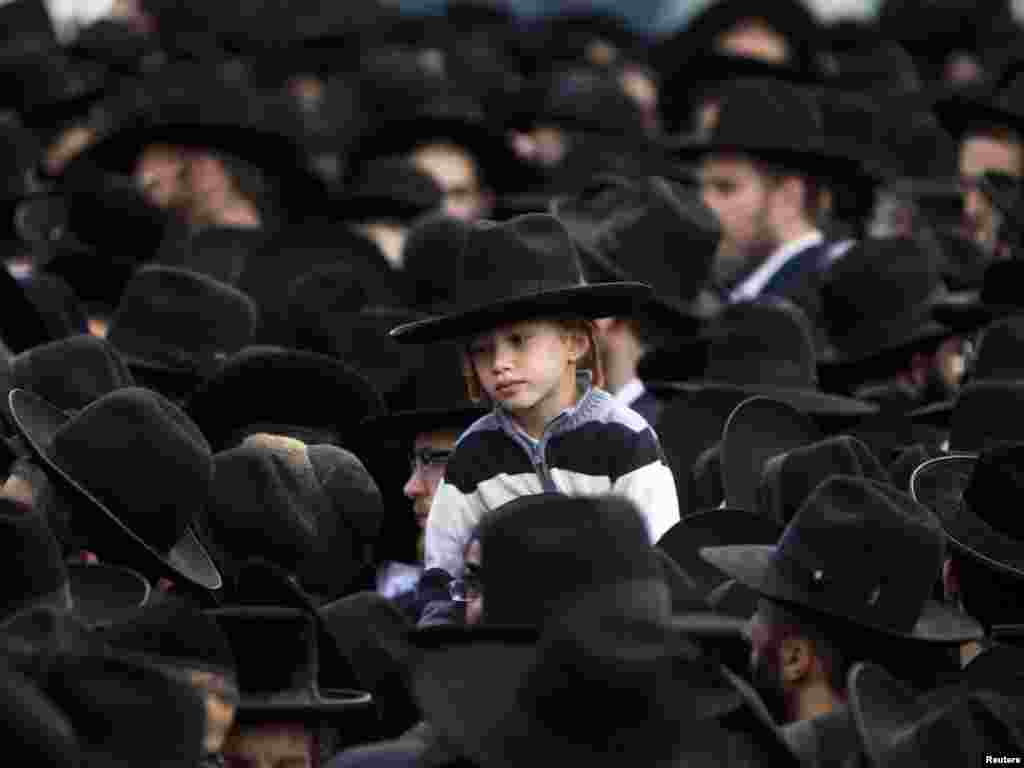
x,y
834,591
478,293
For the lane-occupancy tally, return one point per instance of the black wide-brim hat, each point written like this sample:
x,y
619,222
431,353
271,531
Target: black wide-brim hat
x,y
811,566
468,682
939,484
106,594
517,270
714,528
757,430
752,566
967,311
38,422
807,400
408,424
961,110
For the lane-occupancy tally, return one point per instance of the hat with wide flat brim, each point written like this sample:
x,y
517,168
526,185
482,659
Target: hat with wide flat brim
x,y
525,268
860,551
998,298
282,686
495,693
772,121
757,430
961,111
714,528
106,594
946,484
766,348
952,726
150,418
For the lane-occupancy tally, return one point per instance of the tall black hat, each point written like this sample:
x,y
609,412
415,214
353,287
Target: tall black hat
x,y
516,270
651,231
857,550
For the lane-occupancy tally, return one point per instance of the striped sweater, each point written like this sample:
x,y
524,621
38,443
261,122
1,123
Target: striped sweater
x,y
598,446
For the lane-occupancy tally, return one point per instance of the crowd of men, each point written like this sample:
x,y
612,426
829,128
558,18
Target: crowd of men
x,y
220,462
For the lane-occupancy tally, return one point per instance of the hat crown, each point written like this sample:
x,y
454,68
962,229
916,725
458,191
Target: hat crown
x,y
987,412
996,483
180,318
1000,354
767,115
33,556
864,549
510,260
999,283
764,342
71,373
432,254
790,478
646,231
143,458
571,544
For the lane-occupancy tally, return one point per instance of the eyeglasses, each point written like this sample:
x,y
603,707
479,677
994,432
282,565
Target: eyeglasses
x,y
428,458
469,587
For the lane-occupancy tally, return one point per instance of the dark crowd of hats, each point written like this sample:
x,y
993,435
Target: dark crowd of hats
x,y
233,233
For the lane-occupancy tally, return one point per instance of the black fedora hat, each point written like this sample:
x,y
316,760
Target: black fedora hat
x,y
959,112
225,410
432,254
985,414
174,633
282,686
714,528
43,731
650,231
860,551
997,357
876,305
312,510
973,496
180,321
38,577
671,702
69,373
117,453
954,726
765,347
757,430
432,397
789,478
773,121
515,270
125,712
387,188
997,298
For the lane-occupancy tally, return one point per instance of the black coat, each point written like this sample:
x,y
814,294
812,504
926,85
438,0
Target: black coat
x,y
827,741
999,668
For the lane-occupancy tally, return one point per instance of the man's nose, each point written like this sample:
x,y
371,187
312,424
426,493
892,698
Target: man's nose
x,y
502,357
415,487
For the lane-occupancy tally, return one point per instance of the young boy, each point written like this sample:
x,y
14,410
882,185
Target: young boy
x,y
525,318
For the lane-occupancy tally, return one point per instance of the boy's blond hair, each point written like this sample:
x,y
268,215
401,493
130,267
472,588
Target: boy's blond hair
x,y
590,361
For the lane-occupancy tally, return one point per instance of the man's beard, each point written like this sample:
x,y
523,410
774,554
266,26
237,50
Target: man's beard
x,y
766,681
733,262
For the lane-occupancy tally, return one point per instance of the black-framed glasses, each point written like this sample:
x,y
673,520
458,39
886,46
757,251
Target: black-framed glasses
x,y
429,457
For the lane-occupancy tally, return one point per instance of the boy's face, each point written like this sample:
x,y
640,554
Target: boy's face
x,y
525,367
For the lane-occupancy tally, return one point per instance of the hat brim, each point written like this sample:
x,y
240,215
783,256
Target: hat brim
x,y
939,485
712,528
753,566
809,401
303,706
757,430
938,414
38,422
957,113
589,301
467,682
836,364
408,424
816,161
106,594
965,311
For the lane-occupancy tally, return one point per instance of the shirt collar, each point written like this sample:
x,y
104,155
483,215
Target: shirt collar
x,y
630,393
755,282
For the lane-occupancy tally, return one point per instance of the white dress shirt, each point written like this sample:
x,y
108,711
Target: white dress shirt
x,y
755,282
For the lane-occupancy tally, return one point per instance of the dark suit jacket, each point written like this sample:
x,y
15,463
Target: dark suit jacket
x,y
799,280
828,741
1000,668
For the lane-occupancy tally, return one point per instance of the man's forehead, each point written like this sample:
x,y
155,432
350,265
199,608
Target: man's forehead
x,y
983,151
725,166
445,160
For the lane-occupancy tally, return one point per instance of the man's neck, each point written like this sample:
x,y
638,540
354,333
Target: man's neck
x,y
969,652
815,701
620,369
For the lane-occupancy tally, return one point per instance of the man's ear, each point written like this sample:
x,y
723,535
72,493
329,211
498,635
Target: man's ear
x,y
579,345
796,657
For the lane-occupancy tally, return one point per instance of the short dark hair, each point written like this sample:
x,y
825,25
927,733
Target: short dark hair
x,y
776,173
989,596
